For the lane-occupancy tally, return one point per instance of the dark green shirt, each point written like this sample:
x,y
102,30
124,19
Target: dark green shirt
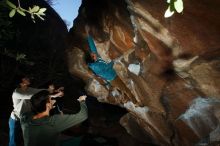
x,y
45,131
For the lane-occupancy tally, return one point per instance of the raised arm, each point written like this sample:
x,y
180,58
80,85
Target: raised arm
x,y
92,45
19,94
63,122
58,94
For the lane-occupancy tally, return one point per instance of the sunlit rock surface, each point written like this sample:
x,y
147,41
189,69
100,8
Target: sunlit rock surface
x,y
170,65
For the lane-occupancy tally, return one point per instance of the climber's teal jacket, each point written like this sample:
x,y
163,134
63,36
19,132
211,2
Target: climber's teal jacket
x,y
100,67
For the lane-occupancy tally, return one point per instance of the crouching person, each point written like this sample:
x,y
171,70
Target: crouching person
x,y
41,129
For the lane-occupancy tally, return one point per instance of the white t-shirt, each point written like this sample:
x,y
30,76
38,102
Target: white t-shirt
x,y
21,101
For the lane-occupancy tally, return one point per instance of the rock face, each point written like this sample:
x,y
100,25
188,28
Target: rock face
x,y
170,65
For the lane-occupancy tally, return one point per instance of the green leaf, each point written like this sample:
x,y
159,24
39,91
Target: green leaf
x,y
22,9
12,12
35,9
21,12
20,57
29,9
11,4
42,10
178,4
32,17
168,12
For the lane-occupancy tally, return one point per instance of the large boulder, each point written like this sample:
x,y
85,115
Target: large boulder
x,y
170,65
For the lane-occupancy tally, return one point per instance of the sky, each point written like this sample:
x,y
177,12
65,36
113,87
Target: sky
x,y
67,9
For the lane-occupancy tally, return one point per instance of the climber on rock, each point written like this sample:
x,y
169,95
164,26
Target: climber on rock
x,y
105,70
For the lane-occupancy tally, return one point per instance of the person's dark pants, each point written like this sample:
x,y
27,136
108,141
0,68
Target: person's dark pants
x,y
14,131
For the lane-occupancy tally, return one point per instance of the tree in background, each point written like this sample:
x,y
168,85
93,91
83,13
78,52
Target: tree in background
x,y
33,11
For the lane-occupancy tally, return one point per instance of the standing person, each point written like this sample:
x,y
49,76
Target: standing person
x,y
42,129
21,103
20,98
